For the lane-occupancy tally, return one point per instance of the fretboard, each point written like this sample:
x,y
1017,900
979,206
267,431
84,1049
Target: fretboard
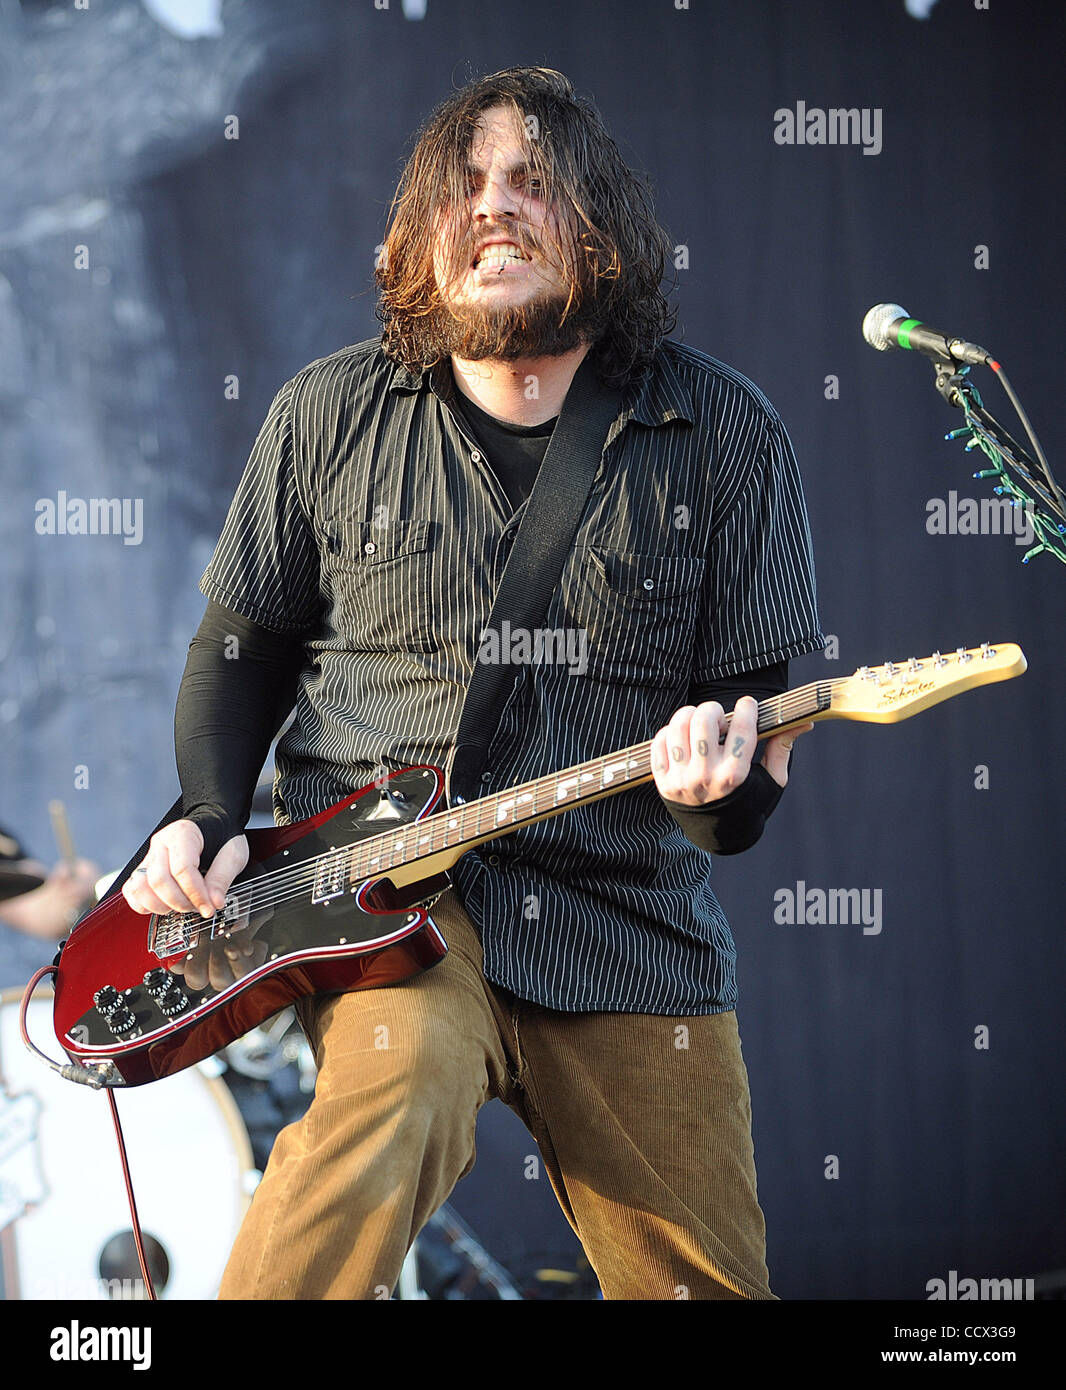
x,y
499,813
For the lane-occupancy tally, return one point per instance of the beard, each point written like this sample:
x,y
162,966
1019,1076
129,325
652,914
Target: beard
x,y
476,333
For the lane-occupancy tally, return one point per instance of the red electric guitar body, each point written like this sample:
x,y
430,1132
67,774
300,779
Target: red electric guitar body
x,y
120,1005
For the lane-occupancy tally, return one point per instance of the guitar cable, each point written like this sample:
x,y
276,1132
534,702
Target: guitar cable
x,y
85,1076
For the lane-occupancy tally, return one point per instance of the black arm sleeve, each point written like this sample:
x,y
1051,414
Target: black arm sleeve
x,y
736,821
238,689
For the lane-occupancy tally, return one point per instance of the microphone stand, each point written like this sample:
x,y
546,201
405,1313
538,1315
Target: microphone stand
x,y
1033,487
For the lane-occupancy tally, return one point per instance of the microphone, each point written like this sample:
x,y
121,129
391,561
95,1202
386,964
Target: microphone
x,y
890,326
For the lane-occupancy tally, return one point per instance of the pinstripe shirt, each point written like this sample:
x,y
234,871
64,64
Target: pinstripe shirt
x,y
369,521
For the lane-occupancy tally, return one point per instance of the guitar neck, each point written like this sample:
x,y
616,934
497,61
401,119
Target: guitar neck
x,y
879,694
628,767
437,841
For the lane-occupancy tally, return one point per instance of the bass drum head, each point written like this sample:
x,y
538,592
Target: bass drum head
x,y
65,1229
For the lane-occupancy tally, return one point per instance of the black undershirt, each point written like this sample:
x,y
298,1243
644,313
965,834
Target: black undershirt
x,y
514,452
228,712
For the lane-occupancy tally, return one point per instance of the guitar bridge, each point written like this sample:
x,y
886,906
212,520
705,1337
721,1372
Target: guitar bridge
x,y
175,933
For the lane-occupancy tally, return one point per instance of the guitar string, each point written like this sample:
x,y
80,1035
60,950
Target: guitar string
x,y
305,873
279,886
357,861
283,885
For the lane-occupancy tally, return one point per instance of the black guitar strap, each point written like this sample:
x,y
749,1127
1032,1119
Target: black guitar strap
x,y
534,566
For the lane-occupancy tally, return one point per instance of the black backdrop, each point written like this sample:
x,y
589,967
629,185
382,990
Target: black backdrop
x,y
891,1147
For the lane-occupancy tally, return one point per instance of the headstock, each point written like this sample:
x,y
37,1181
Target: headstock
x,y
888,693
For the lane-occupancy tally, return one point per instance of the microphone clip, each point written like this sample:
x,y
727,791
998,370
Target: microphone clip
x,y
954,384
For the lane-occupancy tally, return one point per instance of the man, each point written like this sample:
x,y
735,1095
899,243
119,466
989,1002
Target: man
x,y
589,982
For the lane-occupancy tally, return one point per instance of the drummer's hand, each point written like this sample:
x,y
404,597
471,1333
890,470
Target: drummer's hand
x,y
168,879
73,884
50,910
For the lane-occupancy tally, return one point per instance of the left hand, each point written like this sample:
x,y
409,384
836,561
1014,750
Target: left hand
x,y
699,757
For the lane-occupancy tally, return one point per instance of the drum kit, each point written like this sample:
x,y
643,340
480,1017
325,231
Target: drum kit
x,y
63,1203
64,1215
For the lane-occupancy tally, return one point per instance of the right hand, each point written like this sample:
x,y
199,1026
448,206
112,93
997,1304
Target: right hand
x,y
168,879
173,883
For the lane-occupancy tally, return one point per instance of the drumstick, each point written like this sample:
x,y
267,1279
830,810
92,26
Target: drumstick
x,y
61,830
65,841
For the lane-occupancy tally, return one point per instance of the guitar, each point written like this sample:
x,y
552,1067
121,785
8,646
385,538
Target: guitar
x,y
340,901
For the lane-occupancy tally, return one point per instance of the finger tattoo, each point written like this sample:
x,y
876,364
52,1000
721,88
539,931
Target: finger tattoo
x,y
677,752
738,744
701,747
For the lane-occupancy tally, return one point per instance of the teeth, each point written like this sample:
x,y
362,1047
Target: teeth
x,y
496,255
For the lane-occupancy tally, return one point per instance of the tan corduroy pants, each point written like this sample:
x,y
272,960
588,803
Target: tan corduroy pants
x,y
643,1124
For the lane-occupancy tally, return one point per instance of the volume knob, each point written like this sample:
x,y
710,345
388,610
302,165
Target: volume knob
x,y
122,1021
107,999
157,982
173,1000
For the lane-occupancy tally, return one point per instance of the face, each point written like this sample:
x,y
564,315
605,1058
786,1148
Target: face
x,y
505,280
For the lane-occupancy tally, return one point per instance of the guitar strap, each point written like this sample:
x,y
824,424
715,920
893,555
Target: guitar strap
x,y
552,516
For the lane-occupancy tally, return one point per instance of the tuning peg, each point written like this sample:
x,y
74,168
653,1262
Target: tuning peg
x,y
987,652
963,654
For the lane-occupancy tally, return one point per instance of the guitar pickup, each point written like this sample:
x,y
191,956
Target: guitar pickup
x,y
332,877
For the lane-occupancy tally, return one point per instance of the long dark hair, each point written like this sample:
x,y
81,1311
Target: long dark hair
x,y
613,270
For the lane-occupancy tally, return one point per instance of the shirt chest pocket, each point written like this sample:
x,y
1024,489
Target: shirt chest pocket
x,y
379,579
638,614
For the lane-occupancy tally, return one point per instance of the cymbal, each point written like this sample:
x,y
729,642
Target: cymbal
x,y
14,881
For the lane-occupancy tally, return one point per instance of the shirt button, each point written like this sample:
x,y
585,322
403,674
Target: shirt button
x,y
476,456
649,583
486,776
494,859
370,548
